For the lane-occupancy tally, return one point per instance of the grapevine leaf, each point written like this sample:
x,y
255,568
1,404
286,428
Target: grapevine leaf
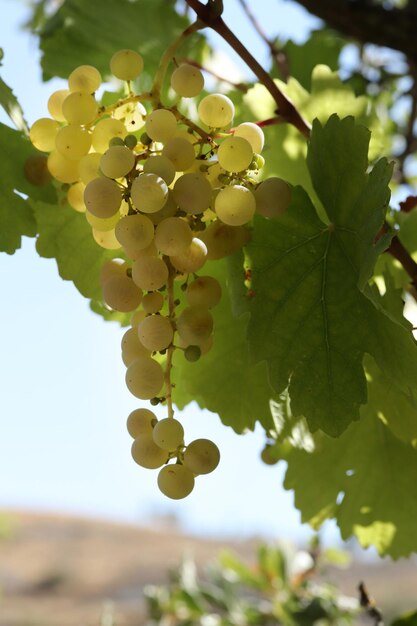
x,y
74,34
366,480
11,105
223,380
309,319
16,219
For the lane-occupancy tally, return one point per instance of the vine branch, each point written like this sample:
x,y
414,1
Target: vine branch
x,y
369,605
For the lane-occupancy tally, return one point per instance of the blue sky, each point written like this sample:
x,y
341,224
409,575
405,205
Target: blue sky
x,y
64,444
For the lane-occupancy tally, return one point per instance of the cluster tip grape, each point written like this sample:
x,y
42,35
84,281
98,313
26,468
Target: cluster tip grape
x,y
169,194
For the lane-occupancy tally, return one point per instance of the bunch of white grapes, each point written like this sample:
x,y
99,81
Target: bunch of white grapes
x,y
170,194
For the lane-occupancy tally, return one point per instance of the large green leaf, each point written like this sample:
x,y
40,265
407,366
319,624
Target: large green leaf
x,y
90,32
366,480
11,105
309,319
16,219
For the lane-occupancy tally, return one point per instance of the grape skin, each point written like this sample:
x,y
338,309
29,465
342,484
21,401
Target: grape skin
x,y
141,422
146,453
201,456
175,481
145,378
168,434
126,64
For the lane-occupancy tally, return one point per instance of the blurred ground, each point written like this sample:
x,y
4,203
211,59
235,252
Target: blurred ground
x,y
63,571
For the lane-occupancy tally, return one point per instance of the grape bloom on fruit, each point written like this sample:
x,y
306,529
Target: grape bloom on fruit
x,y
166,194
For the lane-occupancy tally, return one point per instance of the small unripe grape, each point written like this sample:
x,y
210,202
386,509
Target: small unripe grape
x,y
204,291
43,133
73,142
216,110
84,78
75,197
168,434
161,125
55,104
126,64
156,332
273,197
149,193
102,197
63,169
152,302
252,133
192,353
180,152
150,273
141,422
132,347
235,205
105,130
131,141
195,325
192,258
172,236
235,154
146,453
187,81
192,193
161,166
121,293
201,456
267,457
135,233
117,162
79,108
145,378
175,481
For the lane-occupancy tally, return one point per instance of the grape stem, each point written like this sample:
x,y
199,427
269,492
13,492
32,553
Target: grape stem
x,y
170,349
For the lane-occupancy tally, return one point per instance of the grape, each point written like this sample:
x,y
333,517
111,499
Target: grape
x,y
192,353
79,108
36,170
75,197
201,456
146,453
153,302
161,166
135,232
222,240
114,267
235,154
42,134
136,319
172,236
145,378
105,130
84,78
161,125
195,325
235,205
267,457
216,110
252,133
150,273
175,481
73,142
99,223
213,173
126,64
192,193
168,434
132,347
168,210
90,167
131,141
155,332
149,193
121,293
141,422
192,258
272,197
180,152
117,162
102,197
63,169
187,81
55,104
204,291
106,239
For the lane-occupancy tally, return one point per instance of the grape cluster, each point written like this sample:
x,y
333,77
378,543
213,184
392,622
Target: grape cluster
x,y
170,194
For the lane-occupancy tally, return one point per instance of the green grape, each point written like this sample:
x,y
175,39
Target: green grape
x,y
36,170
204,291
267,457
235,154
216,110
152,302
117,162
235,205
175,481
201,456
149,193
121,294
187,81
85,78
155,332
89,167
192,353
135,233
75,197
131,141
126,64
106,239
252,133
102,197
192,193
116,141
161,166
168,210
55,104
105,130
98,223
132,347
145,378
222,240
79,108
73,142
180,152
172,236
113,267
161,125
63,169
43,133
146,453
168,434
141,422
192,258
150,273
273,197
195,325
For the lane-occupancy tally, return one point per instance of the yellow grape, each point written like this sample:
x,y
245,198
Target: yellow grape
x,y
43,133
146,453
73,142
149,193
180,152
99,223
168,434
85,78
132,347
90,167
235,205
75,197
192,193
141,422
150,273
172,236
161,125
222,240
121,293
105,130
187,81
195,325
204,291
175,481
192,258
155,332
216,110
126,64
272,197
235,154
55,104
117,162
106,239
79,108
161,166
63,169
102,197
201,456
252,133
152,302
135,233
145,378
